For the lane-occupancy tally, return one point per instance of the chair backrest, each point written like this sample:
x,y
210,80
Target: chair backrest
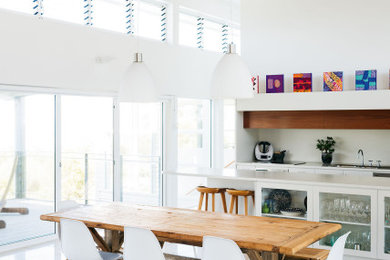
x,y
67,204
215,248
337,251
77,242
141,243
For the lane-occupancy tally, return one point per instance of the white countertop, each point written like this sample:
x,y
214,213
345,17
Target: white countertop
x,y
313,165
286,178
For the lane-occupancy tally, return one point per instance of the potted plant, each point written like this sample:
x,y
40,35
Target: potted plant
x,y
326,146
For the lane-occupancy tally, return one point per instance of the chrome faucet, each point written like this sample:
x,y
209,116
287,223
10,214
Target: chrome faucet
x,y
361,154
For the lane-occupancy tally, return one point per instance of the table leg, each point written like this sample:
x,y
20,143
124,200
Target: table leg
x,y
254,255
269,255
113,239
99,240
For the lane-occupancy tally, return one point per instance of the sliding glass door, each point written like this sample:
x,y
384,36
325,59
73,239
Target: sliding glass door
x,y
86,149
140,149
26,165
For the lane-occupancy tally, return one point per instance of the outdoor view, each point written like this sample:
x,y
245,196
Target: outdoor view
x,y
26,165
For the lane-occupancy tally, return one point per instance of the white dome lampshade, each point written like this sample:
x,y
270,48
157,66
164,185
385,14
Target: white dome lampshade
x,y
137,84
232,78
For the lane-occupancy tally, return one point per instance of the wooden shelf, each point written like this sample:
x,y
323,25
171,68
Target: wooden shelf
x,y
345,222
275,215
318,119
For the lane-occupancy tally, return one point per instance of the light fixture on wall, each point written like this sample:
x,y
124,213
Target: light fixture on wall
x,y
231,78
137,84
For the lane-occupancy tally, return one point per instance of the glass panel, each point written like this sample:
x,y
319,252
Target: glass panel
x,y
69,10
110,15
25,6
27,139
187,30
147,20
387,225
141,145
212,36
86,149
284,203
194,132
229,123
353,212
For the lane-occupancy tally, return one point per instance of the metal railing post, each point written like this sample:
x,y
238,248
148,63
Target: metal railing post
x,y
86,178
121,177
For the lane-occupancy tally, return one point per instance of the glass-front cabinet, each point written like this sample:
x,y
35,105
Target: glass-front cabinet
x,y
284,201
384,224
355,210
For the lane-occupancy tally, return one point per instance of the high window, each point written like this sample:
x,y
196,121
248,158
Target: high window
x,y
69,10
109,15
25,6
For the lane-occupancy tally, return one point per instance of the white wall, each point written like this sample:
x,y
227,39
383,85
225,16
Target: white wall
x,y
300,144
292,36
296,36
49,53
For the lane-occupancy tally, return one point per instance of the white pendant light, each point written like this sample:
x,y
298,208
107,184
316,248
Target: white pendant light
x,y
231,78
137,84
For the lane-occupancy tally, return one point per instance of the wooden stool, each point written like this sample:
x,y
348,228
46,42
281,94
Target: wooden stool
x,y
205,190
237,193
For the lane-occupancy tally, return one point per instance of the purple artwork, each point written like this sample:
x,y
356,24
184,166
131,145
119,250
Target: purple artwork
x,y
275,83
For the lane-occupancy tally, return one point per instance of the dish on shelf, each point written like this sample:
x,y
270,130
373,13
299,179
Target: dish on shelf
x,y
292,212
281,198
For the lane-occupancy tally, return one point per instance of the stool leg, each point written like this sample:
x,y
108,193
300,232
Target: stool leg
x,y
207,201
246,205
236,204
200,201
232,199
253,198
223,202
213,201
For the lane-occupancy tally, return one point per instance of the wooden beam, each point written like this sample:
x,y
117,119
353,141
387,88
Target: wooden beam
x,y
333,119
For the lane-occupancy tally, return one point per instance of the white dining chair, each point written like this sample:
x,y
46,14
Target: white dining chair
x,y
77,243
64,205
215,248
67,204
140,243
337,250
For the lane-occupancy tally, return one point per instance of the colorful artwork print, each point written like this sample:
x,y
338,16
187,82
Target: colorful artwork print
x,y
275,83
333,81
302,82
256,84
365,79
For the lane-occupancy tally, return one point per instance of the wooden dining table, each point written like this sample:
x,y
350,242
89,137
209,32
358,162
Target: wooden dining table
x,y
265,236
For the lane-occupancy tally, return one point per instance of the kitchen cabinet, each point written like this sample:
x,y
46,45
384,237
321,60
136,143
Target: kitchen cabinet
x,y
356,211
384,224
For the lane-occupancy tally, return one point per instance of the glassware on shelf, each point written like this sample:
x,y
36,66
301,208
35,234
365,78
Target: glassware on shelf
x,y
345,209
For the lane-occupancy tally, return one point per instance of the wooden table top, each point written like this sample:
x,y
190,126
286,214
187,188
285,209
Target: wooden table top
x,y
285,236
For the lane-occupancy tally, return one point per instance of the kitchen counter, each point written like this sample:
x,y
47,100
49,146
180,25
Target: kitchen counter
x,y
312,165
380,183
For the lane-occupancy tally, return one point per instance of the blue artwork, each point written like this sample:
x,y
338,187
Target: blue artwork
x,y
366,80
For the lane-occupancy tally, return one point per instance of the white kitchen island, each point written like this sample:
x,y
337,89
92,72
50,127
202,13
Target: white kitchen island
x,y
359,203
